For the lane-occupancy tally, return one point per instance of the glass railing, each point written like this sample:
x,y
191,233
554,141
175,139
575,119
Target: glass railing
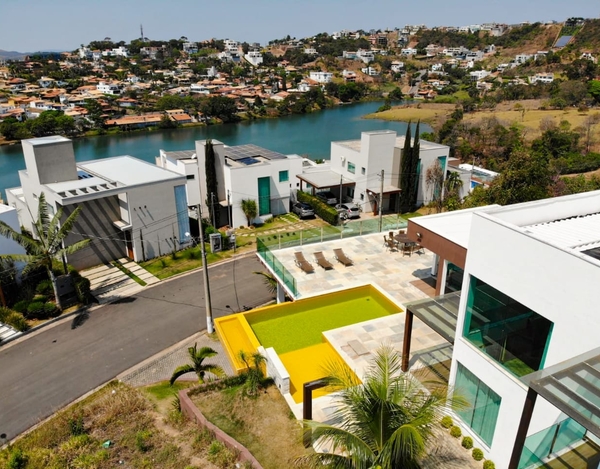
x,y
542,445
349,229
280,271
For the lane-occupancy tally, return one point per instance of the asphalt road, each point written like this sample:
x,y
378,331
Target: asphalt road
x,y
44,372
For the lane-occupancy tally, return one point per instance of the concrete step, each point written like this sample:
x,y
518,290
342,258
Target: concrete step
x,y
106,281
100,268
115,275
101,274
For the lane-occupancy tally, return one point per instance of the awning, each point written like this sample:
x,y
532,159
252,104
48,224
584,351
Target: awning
x,y
324,179
439,313
122,225
388,189
573,387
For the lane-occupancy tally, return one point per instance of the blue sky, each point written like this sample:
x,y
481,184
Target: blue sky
x,y
30,25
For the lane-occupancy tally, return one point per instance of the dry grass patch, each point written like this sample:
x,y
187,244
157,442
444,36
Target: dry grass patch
x,y
434,114
264,424
113,427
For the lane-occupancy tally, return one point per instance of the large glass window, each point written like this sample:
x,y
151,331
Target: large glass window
x,y
482,404
183,219
504,329
351,168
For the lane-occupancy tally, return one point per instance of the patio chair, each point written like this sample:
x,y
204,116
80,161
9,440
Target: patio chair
x,y
320,258
341,257
407,249
391,235
303,263
390,244
418,248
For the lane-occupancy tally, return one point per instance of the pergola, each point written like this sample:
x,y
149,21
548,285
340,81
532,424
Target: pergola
x,y
572,386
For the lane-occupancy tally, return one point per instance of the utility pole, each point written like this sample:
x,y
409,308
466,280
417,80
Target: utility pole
x,y
207,303
381,203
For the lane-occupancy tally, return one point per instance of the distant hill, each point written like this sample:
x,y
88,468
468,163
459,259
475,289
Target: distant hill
x,y
14,55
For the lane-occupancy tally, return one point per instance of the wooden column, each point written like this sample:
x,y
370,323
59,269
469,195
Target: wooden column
x,y
408,321
523,428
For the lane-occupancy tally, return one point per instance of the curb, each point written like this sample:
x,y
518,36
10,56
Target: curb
x,y
63,317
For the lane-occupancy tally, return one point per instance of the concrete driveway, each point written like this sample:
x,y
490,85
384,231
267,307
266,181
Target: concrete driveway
x,y
45,371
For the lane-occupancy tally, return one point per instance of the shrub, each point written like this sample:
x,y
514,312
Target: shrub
x,y
477,454
142,441
326,212
455,432
467,442
18,321
447,422
50,310
21,306
489,464
82,289
45,288
35,310
76,426
17,460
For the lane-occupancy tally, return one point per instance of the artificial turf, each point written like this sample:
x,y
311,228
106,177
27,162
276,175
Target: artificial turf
x,y
300,324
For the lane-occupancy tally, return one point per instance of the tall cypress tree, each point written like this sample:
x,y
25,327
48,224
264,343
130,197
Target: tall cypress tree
x,y
212,185
415,151
405,171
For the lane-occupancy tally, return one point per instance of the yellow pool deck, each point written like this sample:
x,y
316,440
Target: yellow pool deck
x,y
308,364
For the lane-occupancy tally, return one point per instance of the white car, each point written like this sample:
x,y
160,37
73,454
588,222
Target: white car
x,y
348,210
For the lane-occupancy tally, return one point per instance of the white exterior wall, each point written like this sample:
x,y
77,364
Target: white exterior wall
x,y
9,216
428,157
243,184
545,279
185,168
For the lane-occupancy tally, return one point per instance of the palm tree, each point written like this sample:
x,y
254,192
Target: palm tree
x,y
47,242
270,281
384,423
198,366
250,210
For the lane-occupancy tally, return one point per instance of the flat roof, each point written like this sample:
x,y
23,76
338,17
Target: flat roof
x,y
127,170
323,178
579,233
454,226
180,155
46,140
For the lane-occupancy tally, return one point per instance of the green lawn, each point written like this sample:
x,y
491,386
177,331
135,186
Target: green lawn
x,y
298,325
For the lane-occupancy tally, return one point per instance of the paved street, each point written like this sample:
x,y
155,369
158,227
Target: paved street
x,y
44,372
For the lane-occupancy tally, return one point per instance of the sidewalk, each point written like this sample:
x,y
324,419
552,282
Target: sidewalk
x,y
161,366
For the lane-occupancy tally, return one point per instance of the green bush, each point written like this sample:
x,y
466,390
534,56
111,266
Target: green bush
x,y
50,310
45,288
326,212
467,442
142,441
17,460
477,454
447,422
489,464
21,306
455,432
76,426
82,289
35,310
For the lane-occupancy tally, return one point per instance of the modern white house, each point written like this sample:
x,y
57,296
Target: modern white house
x,y
109,88
254,57
130,208
243,172
525,339
320,77
356,165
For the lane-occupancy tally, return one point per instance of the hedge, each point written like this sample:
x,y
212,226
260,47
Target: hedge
x,y
324,211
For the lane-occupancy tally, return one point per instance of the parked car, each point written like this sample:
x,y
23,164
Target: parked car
x,y
327,197
303,210
348,210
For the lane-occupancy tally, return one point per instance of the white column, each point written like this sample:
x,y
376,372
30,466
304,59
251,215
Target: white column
x,y
280,294
434,266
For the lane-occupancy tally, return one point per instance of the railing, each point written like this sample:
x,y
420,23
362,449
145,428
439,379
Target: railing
x,y
327,233
551,440
280,271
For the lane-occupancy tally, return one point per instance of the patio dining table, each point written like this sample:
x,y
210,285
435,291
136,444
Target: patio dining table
x,y
402,238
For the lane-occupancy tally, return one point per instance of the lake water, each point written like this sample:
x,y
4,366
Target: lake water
x,y
308,135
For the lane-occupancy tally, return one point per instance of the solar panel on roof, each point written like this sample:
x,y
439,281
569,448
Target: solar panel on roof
x,y
248,151
248,161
